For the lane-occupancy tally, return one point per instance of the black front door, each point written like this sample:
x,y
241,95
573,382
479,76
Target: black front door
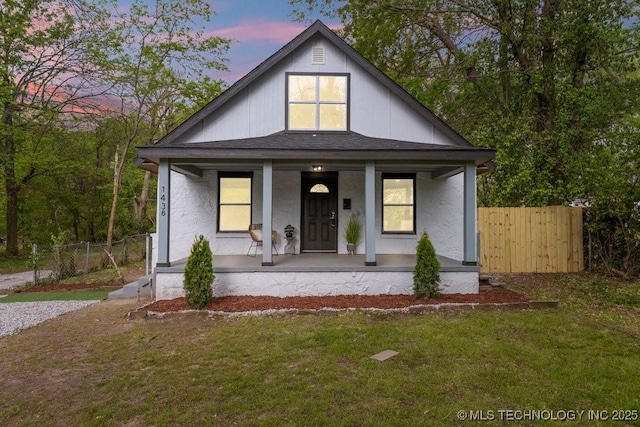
x,y
319,212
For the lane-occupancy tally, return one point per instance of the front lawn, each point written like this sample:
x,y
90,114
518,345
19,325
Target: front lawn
x,y
81,295
93,367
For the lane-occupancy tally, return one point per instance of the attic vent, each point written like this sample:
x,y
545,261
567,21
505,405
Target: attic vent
x,y
317,55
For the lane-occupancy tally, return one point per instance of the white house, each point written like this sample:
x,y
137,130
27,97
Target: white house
x,y
313,134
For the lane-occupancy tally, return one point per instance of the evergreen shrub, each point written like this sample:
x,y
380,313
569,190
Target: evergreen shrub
x,y
198,274
426,275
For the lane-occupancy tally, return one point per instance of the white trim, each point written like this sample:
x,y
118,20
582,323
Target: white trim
x,y
370,212
267,210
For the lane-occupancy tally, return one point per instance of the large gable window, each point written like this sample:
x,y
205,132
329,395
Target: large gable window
x,y
398,203
317,102
234,201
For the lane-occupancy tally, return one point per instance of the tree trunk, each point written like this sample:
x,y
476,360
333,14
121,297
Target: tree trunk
x,y
547,98
140,203
12,189
505,76
117,182
112,215
11,184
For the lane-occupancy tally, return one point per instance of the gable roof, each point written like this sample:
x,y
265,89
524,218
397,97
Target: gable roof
x,y
316,28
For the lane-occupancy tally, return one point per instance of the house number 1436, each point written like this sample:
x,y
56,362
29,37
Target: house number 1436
x,y
163,202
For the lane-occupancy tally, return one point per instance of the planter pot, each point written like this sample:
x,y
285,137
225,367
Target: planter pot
x,y
351,248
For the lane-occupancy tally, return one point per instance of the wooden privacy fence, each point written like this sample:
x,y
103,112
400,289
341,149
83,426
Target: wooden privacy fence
x,y
530,240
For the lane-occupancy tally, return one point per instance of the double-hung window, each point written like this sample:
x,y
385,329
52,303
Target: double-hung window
x,y
317,102
234,201
398,203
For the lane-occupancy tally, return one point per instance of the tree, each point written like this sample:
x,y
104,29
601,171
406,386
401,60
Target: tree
x,y
153,61
426,274
198,274
541,81
551,84
71,195
45,71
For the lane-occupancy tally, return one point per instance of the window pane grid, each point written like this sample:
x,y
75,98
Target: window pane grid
x,y
329,102
234,202
398,211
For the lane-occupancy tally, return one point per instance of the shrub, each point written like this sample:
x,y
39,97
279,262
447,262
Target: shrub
x,y
352,231
426,274
198,274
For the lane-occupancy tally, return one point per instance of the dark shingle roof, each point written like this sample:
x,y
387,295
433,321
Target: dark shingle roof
x,y
319,145
318,141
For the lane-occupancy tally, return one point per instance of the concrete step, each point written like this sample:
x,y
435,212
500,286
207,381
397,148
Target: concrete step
x,y
130,290
487,283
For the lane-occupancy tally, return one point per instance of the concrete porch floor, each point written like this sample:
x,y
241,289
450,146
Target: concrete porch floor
x,y
320,262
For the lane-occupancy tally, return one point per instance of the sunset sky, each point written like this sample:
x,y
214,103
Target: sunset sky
x,y
258,29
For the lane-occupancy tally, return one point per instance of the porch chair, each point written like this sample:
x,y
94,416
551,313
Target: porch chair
x,y
255,231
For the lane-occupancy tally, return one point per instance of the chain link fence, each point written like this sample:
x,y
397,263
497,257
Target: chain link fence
x,y
61,262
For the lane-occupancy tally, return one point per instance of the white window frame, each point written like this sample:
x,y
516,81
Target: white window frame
x,y
243,175
407,176
317,103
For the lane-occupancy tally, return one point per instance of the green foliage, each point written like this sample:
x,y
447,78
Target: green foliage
x,y
554,88
426,275
612,293
154,56
125,76
198,274
612,188
353,229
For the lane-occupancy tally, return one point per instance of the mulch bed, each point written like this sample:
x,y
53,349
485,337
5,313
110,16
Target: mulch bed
x,y
56,287
259,303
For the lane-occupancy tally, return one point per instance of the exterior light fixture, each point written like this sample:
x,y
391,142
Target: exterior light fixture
x,y
317,168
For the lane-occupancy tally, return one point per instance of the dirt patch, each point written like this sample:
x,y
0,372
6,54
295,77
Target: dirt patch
x,y
252,303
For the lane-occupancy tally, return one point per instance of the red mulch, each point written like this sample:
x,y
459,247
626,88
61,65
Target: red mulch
x,y
253,303
69,287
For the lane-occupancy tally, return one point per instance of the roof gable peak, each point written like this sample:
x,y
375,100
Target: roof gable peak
x,y
318,27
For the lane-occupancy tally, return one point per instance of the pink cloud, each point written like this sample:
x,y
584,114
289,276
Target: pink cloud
x,y
252,30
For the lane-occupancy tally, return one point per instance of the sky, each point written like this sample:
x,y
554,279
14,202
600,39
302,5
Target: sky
x,y
257,28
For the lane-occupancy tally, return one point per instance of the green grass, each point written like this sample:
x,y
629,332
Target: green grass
x,y
84,295
13,265
316,370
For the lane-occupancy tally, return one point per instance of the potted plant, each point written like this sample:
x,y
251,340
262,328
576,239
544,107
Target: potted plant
x,y
352,233
288,231
289,247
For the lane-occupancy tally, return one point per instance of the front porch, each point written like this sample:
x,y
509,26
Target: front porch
x,y
317,274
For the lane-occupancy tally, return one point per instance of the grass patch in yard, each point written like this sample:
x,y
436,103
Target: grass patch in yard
x,y
10,265
82,295
92,367
608,293
314,370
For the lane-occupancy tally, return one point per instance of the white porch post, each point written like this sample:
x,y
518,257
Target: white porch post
x,y
267,212
164,212
470,256
370,213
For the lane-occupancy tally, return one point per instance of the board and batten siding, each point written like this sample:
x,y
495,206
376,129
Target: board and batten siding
x,y
259,110
531,240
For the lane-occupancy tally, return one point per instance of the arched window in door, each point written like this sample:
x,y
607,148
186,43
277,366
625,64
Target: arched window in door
x,y
319,188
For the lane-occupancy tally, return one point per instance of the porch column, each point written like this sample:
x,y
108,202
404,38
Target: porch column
x,y
470,209
267,212
164,212
370,213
